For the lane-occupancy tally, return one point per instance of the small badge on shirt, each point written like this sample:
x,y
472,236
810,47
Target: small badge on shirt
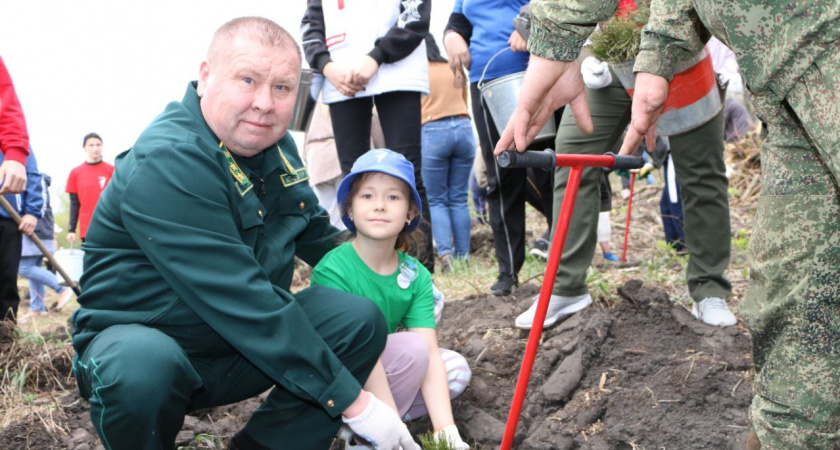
x,y
408,273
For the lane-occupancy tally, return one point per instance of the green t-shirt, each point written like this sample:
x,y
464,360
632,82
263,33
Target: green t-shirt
x,y
408,304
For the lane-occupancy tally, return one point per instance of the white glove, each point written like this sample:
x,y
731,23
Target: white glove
x,y
438,299
596,74
381,427
450,435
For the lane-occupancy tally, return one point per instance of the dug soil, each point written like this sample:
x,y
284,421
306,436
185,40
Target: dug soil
x,y
640,374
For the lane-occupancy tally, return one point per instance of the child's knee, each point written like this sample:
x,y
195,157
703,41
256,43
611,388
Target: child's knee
x,y
458,372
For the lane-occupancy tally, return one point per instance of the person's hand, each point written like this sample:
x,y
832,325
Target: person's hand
x,y
459,56
648,100
517,42
12,177
27,224
450,435
547,86
364,71
596,74
379,425
71,237
342,78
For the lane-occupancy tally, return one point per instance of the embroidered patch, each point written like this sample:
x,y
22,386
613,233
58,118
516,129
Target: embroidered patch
x,y
243,184
289,179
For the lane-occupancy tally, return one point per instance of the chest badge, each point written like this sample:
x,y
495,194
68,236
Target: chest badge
x,y
243,184
408,273
292,176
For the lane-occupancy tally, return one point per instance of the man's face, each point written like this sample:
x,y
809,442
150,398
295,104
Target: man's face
x,y
248,94
93,149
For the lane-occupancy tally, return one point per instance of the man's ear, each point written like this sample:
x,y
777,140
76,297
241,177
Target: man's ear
x,y
203,75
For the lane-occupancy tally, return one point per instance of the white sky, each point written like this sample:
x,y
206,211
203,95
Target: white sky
x,y
111,67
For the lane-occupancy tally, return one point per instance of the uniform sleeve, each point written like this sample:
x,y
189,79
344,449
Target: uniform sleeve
x,y
313,33
14,138
401,40
319,238
421,313
176,206
674,33
560,28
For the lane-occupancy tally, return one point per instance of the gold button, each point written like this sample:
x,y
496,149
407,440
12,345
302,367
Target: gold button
x,y
330,403
259,213
302,204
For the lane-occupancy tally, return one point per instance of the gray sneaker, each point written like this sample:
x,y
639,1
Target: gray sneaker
x,y
559,307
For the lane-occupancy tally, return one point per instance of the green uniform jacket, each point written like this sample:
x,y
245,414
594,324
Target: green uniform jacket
x,y
186,241
774,41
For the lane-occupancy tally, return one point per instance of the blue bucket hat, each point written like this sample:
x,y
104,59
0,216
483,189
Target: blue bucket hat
x,y
388,162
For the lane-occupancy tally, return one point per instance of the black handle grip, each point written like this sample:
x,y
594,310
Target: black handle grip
x,y
626,161
540,159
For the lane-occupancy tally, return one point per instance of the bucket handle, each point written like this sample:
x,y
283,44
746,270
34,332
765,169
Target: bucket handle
x,y
484,72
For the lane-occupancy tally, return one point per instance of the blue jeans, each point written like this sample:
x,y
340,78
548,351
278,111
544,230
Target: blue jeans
x,y
30,268
448,154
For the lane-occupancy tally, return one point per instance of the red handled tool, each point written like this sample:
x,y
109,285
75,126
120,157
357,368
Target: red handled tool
x,y
547,159
629,209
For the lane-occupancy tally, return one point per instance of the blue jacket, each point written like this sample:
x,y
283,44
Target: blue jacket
x,y
30,201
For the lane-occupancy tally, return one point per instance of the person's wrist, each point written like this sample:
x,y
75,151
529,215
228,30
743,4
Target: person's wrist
x,y
358,406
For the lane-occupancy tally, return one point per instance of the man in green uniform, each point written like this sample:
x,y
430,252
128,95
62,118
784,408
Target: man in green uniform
x,y
789,53
186,301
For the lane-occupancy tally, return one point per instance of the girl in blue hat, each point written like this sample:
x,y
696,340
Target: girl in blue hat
x,y
380,206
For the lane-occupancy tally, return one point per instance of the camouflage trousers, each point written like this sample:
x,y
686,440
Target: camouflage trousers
x,y
793,304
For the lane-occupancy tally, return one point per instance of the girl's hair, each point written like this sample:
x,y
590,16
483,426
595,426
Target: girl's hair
x,y
406,239
90,136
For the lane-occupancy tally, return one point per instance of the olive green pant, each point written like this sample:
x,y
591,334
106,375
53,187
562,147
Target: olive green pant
x,y
141,382
700,170
793,303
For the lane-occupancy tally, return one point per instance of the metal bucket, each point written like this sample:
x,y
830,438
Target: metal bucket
x,y
71,260
309,89
693,95
501,95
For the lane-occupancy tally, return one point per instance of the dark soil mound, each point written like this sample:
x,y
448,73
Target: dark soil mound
x,y
643,374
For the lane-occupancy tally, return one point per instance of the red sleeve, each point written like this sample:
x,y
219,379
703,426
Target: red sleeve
x,y
14,139
71,187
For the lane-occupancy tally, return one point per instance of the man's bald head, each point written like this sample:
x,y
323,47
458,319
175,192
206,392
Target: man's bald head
x,y
265,31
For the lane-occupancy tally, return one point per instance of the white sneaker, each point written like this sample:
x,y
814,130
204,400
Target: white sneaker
x,y
559,307
714,311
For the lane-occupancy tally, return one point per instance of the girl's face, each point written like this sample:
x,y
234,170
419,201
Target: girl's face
x,y
380,207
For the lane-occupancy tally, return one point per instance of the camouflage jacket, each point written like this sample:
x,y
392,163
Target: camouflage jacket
x,y
774,41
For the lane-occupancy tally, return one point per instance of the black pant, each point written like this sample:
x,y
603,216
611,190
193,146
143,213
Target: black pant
x,y
399,115
10,247
507,191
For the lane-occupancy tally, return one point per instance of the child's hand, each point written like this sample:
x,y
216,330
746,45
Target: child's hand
x,y
450,434
366,69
